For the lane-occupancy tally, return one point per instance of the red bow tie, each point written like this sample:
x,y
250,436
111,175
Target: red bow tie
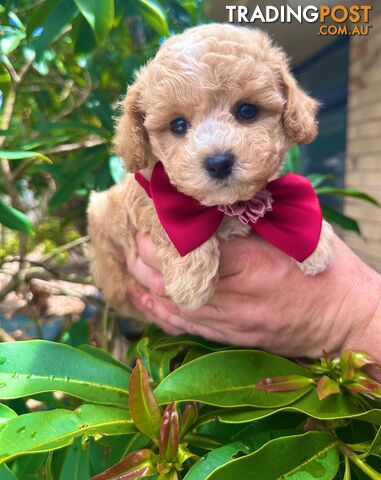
x,y
292,224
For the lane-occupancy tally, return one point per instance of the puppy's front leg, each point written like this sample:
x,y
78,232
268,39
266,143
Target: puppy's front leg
x,y
190,280
322,256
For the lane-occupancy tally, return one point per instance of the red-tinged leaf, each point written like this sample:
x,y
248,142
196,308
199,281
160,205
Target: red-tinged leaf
x,y
350,362
169,434
287,383
137,464
347,366
366,385
188,418
327,387
144,409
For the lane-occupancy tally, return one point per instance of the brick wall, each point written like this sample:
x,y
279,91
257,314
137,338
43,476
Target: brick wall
x,y
363,164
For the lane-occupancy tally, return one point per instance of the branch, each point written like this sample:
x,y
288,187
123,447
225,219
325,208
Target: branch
x,y
5,166
65,248
71,147
12,71
27,274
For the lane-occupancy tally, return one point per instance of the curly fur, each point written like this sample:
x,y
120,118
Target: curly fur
x,y
201,75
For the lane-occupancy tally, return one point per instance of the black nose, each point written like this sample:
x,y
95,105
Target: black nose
x,y
219,165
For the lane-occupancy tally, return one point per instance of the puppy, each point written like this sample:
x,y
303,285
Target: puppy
x,y
216,92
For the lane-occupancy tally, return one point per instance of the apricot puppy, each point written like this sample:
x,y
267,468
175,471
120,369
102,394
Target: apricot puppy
x,y
219,108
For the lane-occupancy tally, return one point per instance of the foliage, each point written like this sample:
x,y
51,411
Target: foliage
x,y
60,76
293,163
205,412
189,409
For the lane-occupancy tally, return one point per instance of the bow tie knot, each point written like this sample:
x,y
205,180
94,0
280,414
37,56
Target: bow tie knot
x,y
251,210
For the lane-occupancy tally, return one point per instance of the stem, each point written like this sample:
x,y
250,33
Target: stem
x,y
363,466
5,166
347,473
104,336
65,248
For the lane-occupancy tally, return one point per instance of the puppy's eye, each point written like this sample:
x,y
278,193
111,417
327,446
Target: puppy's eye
x,y
245,112
179,126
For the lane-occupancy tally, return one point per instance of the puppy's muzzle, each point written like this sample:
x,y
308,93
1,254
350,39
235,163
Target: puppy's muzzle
x,y
219,165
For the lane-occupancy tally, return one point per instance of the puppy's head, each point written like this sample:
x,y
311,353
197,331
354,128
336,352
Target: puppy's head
x,y
219,108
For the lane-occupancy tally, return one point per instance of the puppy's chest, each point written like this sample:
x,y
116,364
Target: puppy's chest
x,y
231,226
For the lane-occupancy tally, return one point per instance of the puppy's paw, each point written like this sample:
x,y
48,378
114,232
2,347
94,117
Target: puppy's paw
x,y
189,295
322,256
190,280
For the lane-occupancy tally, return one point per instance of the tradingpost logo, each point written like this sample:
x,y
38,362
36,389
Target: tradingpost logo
x,y
332,20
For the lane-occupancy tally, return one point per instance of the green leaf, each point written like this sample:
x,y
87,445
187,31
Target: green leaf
x,y
14,219
77,334
160,361
5,84
312,455
144,409
27,465
76,464
228,379
317,179
57,19
6,473
214,459
331,408
375,447
85,164
347,192
51,429
155,16
343,221
10,40
103,355
40,366
40,14
65,126
293,161
19,155
83,36
6,413
99,105
100,16
135,442
117,170
16,21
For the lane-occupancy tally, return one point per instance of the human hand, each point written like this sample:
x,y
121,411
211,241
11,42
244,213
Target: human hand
x,y
264,300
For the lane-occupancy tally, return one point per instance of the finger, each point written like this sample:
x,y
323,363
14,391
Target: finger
x,y
198,329
147,251
159,319
147,276
215,311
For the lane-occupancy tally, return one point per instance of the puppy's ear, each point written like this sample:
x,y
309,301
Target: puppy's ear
x,y
131,139
299,114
